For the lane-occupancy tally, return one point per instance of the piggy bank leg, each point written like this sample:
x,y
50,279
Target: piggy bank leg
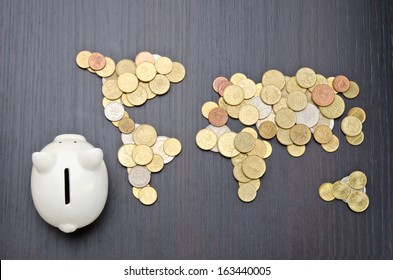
x,y
67,228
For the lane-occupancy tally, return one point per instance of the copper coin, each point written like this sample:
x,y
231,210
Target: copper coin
x,y
97,61
144,56
323,95
218,116
341,83
222,86
217,82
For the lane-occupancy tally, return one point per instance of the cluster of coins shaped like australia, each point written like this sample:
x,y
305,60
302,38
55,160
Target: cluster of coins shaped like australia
x,y
351,189
293,109
131,83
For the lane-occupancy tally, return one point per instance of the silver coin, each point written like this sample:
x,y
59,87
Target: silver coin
x,y
127,138
323,121
309,116
156,56
346,180
158,148
114,111
271,117
263,108
218,131
139,176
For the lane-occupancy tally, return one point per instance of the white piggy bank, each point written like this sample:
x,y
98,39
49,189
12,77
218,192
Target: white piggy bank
x,y
69,182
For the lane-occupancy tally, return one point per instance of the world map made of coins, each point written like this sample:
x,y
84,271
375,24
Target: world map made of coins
x,y
293,109
131,83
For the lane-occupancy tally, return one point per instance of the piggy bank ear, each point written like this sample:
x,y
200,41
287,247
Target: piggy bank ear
x,y
43,161
91,158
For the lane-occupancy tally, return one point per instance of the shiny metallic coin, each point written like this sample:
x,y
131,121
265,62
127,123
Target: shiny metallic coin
x,y
139,176
114,111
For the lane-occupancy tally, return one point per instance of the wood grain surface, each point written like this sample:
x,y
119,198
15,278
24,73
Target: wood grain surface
x,y
198,214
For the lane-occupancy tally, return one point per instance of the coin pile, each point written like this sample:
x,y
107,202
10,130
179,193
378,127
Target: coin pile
x,y
129,84
352,126
351,190
246,151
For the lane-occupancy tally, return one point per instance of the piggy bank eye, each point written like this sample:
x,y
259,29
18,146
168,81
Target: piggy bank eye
x,y
60,142
75,142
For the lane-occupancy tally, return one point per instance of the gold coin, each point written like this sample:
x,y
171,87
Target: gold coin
x,y
135,192
147,195
283,136
270,94
280,104
297,101
292,86
222,104
226,146
237,77
91,70
142,154
108,69
126,125
156,165
145,71
138,96
244,142
267,129
150,94
325,191
285,118
358,201
172,147
306,77
111,77
239,174
258,88
269,149
330,83
82,59
340,190
323,134
273,77
206,139
334,110
254,167
160,84
144,134
355,140
127,82
125,66
177,73
106,101
248,87
332,145
357,180
351,126
124,155
296,150
233,95
321,80
256,184
352,91
251,131
247,192
163,65
233,111
260,149
125,101
116,123
238,159
300,134
207,107
357,112
248,114
110,90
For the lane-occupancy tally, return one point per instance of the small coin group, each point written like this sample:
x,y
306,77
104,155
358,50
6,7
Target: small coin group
x,y
293,109
350,189
131,83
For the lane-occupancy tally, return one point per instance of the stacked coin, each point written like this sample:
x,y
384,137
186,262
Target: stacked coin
x,y
130,84
352,126
351,190
291,108
245,150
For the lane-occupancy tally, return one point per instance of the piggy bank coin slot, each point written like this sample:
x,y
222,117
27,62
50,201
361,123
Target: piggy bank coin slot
x,y
67,186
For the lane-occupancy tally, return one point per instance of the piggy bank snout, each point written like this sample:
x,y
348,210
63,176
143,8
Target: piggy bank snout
x,y
69,183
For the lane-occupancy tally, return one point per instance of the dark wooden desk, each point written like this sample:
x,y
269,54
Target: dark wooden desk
x,y
198,215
